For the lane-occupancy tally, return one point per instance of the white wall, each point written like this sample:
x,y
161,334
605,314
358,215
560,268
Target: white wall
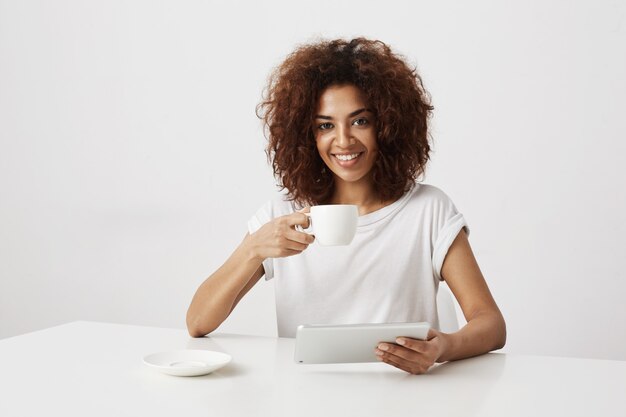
x,y
131,156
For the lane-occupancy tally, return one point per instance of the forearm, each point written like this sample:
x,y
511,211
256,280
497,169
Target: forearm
x,y
482,334
214,299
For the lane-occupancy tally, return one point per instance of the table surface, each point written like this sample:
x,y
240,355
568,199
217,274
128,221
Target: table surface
x,y
96,369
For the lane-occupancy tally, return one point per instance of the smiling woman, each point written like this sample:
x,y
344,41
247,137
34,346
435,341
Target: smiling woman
x,y
347,123
346,138
306,88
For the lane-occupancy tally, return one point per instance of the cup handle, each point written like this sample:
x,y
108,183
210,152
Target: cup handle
x,y
310,228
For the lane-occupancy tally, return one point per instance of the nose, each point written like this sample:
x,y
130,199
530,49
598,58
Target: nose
x,y
344,137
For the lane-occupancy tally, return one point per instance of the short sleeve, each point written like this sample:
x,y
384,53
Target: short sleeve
x,y
262,216
448,222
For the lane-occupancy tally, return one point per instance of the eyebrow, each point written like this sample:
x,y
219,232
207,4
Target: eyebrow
x,y
354,113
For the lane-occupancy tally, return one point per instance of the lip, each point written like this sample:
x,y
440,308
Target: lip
x,y
347,164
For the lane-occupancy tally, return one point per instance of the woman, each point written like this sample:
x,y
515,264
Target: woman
x,y
347,123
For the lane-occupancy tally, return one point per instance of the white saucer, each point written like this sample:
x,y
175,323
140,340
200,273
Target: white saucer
x,y
187,362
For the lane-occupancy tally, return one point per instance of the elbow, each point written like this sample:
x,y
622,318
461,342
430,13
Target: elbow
x,y
501,334
197,329
500,343
195,332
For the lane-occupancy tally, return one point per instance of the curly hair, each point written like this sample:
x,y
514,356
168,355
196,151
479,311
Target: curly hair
x,y
394,92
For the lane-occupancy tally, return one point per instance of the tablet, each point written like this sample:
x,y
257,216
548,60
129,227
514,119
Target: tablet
x,y
350,343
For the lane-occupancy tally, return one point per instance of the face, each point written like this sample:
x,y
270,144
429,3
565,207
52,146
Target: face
x,y
345,133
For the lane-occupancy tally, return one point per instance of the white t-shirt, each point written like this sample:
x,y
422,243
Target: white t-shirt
x,y
389,273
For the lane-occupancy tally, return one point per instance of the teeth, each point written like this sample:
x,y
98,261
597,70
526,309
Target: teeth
x,y
347,157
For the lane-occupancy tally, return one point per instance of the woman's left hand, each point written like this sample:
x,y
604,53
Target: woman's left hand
x,y
412,355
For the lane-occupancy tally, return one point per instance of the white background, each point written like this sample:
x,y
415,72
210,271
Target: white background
x,y
131,156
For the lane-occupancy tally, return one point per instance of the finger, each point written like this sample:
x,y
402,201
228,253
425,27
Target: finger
x,y
283,253
420,346
301,237
432,333
306,209
396,363
290,244
285,242
405,365
392,363
297,218
400,351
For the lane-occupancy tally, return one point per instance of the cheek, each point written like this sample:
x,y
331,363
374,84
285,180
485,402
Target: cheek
x,y
373,148
322,147
371,141
318,145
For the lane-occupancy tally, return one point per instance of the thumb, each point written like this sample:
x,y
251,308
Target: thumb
x,y
432,333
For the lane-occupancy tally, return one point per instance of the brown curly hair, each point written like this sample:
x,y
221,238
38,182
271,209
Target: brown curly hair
x,y
394,92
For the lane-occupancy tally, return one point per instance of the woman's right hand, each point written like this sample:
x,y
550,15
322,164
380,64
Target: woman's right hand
x,y
279,237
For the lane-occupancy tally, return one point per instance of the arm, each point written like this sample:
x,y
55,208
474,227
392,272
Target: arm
x,y
485,329
218,295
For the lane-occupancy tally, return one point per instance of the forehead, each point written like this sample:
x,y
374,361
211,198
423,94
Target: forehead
x,y
341,98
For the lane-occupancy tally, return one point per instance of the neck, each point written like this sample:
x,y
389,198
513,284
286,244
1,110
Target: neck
x,y
359,193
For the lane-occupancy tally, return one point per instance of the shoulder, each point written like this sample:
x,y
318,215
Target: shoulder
x,y
429,194
433,202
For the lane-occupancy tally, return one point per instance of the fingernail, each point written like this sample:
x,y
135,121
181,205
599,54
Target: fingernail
x,y
400,341
383,347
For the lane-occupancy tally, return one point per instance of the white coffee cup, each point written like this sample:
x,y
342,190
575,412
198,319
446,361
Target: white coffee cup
x,y
333,224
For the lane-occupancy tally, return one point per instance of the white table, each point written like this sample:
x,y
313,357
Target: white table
x,y
95,369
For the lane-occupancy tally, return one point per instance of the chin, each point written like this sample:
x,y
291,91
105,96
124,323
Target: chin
x,y
350,177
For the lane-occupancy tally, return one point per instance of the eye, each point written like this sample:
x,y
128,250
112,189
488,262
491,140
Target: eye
x,y
361,121
325,126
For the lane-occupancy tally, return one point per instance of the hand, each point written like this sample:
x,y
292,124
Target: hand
x,y
279,237
412,355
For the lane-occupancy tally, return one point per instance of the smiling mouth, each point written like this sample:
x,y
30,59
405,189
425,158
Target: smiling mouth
x,y
347,157
347,160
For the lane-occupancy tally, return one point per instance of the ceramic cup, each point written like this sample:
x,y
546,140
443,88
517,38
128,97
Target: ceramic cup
x,y
333,224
